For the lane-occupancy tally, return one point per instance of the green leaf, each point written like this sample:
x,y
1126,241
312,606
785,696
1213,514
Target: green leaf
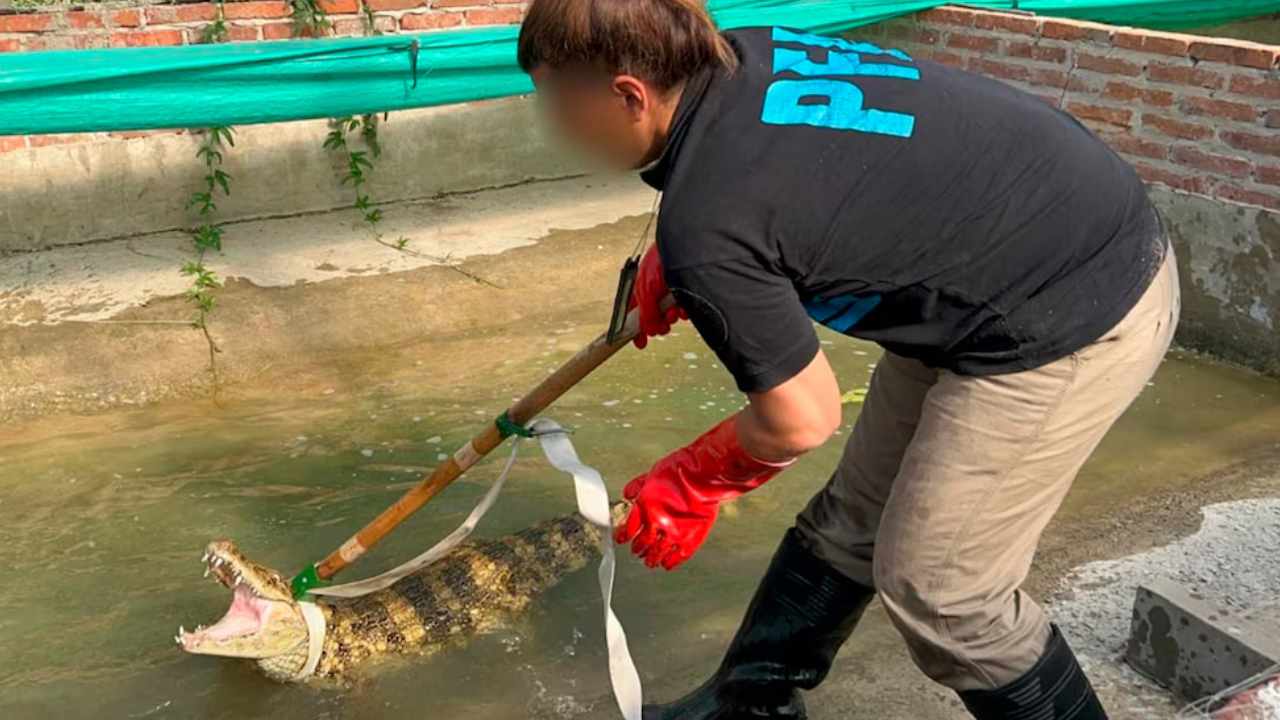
x,y
223,180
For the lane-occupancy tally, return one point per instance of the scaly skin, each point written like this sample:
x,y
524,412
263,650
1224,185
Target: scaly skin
x,y
475,588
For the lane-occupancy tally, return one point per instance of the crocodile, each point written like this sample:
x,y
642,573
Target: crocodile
x,y
477,587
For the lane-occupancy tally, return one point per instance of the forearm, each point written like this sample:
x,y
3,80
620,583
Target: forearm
x,y
798,416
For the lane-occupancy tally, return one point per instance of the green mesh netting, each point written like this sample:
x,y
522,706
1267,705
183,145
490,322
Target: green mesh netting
x,y
235,84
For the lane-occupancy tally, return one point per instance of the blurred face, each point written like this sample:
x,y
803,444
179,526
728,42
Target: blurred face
x,y
620,120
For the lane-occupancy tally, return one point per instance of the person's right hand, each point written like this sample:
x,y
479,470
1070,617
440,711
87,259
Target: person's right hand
x,y
649,291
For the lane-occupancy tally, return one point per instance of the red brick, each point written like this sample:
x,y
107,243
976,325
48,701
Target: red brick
x,y
1211,107
1176,180
1033,51
9,143
26,23
1130,145
165,14
1128,92
1210,162
128,18
339,7
960,41
1176,128
243,33
1155,43
1074,30
385,5
1236,193
1264,87
1111,116
80,20
256,9
949,58
1265,144
1186,75
1175,45
998,69
10,46
496,16
1049,77
430,21
1235,53
91,41
949,16
1109,65
912,34
1273,119
59,139
147,38
1267,174
277,31
459,3
1012,23
1128,39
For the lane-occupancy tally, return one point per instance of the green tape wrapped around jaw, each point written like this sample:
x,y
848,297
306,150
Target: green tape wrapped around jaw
x,y
304,581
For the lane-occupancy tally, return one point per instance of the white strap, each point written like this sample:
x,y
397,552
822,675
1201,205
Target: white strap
x,y
593,504
314,617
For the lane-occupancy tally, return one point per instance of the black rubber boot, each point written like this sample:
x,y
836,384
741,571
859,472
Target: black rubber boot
x,y
801,614
1055,689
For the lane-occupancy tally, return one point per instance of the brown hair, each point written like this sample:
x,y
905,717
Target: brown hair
x,y
665,42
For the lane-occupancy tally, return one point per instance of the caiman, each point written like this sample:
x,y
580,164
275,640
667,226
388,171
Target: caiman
x,y
475,588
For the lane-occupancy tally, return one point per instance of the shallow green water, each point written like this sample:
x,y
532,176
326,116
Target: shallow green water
x,y
104,525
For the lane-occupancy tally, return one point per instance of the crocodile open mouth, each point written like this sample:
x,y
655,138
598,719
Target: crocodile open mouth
x,y
256,593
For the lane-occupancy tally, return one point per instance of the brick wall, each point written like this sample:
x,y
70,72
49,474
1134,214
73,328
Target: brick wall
x,y
1197,114
103,25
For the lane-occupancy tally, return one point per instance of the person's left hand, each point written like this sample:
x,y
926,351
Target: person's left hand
x,y
649,291
675,504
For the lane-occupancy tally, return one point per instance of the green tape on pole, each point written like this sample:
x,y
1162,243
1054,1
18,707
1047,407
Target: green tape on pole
x,y
509,427
305,581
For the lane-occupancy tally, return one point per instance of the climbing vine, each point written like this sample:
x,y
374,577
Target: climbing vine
x,y
216,31
353,139
357,160
309,19
207,234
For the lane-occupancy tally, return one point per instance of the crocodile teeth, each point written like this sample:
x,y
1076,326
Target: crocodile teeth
x,y
177,639
205,558
182,630
206,571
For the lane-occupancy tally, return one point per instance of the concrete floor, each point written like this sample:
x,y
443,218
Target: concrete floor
x,y
313,305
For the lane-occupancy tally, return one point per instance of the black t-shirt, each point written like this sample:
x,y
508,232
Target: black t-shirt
x,y
948,217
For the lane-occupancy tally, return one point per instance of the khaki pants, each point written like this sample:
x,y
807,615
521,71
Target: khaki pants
x,y
948,481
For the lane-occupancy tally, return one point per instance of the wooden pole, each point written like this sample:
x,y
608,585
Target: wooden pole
x,y
521,413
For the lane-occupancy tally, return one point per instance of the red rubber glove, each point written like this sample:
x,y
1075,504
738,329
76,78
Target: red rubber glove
x,y
650,289
676,503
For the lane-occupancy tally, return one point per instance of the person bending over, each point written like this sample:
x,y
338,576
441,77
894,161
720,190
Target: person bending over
x,y
1008,262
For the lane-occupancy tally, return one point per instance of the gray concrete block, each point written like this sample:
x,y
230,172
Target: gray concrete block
x,y
1193,647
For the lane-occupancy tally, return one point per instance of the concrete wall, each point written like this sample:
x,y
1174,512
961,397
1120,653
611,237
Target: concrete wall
x,y
1229,259
106,187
